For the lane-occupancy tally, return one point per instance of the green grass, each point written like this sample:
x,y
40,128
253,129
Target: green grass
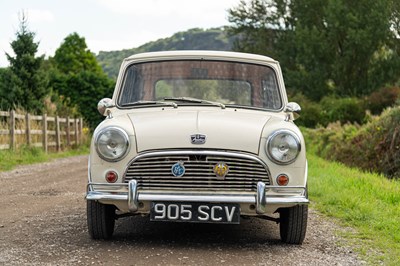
x,y
369,203
28,155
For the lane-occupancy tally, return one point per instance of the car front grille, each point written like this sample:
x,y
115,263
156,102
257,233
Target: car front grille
x,y
152,171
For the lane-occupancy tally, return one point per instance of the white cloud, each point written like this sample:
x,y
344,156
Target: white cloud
x,y
141,8
164,11
123,42
97,45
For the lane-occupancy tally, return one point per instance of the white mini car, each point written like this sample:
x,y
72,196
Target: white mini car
x,y
198,136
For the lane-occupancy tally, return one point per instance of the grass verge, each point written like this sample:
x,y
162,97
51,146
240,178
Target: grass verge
x,y
369,203
9,159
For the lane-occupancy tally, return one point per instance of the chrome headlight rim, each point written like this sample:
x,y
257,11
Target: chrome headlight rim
x,y
268,146
126,143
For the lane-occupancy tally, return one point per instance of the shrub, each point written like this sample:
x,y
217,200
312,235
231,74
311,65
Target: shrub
x,y
329,110
344,110
332,140
382,98
382,138
374,146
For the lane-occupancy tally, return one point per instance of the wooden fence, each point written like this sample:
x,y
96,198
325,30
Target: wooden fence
x,y
39,131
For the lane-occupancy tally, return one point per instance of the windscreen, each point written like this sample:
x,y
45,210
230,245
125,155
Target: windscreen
x,y
229,83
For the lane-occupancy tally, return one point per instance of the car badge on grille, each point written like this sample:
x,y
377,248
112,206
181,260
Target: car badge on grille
x,y
221,170
178,169
198,139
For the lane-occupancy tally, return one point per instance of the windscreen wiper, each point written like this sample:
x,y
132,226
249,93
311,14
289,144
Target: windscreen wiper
x,y
194,100
153,102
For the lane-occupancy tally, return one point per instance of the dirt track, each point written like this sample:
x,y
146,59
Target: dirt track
x,y
43,221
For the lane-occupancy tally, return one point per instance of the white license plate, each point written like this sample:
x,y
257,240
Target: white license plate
x,y
195,212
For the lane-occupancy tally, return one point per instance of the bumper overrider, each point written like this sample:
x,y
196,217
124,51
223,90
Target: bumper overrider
x,y
288,196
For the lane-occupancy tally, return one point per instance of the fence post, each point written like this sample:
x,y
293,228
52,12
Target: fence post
x,y
12,129
44,135
81,130
76,131
68,129
58,140
28,129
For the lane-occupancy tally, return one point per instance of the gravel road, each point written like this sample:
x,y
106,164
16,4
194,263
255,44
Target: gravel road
x,y
43,222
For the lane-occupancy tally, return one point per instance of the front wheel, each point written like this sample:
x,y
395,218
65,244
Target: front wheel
x,y
100,220
293,224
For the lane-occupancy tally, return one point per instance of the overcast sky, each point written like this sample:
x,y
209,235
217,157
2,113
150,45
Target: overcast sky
x,y
107,24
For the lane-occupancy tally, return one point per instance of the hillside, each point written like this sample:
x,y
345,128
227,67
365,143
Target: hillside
x,y
193,39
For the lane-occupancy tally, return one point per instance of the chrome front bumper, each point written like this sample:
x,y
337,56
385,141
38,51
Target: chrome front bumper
x,y
260,200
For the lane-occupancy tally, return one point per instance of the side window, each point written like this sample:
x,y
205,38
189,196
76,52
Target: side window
x,y
270,90
132,89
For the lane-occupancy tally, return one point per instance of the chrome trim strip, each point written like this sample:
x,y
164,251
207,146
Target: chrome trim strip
x,y
91,184
92,195
197,198
306,177
261,198
267,188
288,201
89,171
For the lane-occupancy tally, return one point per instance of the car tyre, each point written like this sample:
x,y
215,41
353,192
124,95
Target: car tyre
x,y
100,220
293,224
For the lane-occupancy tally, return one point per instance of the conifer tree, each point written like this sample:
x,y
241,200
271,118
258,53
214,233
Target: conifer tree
x,y
27,83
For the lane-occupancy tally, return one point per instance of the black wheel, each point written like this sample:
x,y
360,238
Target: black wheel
x,y
293,224
100,220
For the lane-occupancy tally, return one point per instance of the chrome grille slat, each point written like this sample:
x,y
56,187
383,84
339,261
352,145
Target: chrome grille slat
x,y
168,169
162,158
194,178
198,181
153,171
200,185
194,174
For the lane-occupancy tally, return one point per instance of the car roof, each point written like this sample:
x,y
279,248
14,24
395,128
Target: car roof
x,y
200,55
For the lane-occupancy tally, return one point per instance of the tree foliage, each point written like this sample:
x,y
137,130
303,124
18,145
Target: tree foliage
x,y
5,81
78,79
84,90
73,56
23,83
348,48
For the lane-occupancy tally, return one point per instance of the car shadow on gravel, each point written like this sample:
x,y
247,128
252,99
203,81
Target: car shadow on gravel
x,y
250,231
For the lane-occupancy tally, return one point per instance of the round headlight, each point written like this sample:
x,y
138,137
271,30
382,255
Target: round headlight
x,y
112,143
283,146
